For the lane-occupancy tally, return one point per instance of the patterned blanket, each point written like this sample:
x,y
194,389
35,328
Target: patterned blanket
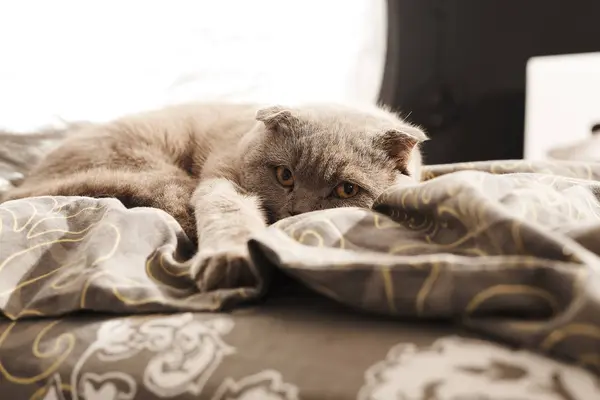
x,y
507,249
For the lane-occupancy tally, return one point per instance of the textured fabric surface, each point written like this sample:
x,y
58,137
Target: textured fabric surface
x,y
285,349
508,249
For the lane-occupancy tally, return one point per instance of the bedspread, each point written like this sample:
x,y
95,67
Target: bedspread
x,y
508,249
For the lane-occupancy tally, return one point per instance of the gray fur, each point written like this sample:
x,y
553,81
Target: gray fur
x,y
219,160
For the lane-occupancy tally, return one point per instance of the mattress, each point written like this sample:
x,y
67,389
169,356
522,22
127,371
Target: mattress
x,y
480,281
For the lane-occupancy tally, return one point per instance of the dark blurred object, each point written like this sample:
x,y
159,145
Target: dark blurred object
x,y
458,67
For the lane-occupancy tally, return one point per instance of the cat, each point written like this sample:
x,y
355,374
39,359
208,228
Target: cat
x,y
225,171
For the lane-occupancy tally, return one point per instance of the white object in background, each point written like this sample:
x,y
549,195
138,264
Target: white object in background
x,y
563,101
96,60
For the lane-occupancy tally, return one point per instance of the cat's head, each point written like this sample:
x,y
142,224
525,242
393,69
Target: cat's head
x,y
308,158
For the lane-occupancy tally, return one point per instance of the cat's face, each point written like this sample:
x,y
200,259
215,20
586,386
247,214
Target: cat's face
x,y
312,158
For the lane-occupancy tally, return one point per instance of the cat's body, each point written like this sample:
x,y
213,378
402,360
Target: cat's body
x,y
234,167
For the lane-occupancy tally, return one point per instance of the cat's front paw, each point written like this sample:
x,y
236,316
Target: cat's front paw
x,y
225,268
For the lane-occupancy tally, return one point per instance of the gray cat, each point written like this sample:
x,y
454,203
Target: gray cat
x,y
225,171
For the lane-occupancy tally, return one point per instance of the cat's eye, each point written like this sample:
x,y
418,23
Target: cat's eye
x,y
284,176
346,190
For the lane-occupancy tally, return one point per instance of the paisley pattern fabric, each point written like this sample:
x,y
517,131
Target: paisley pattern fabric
x,y
509,250
270,354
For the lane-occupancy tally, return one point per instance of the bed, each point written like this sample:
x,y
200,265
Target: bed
x,y
480,282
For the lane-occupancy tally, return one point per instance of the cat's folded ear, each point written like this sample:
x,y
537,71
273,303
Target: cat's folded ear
x,y
276,118
398,143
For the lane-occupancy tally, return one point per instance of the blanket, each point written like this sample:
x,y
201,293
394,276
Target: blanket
x,y
510,249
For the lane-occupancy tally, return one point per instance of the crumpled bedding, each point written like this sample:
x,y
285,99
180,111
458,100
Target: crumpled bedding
x,y
509,248
18,152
